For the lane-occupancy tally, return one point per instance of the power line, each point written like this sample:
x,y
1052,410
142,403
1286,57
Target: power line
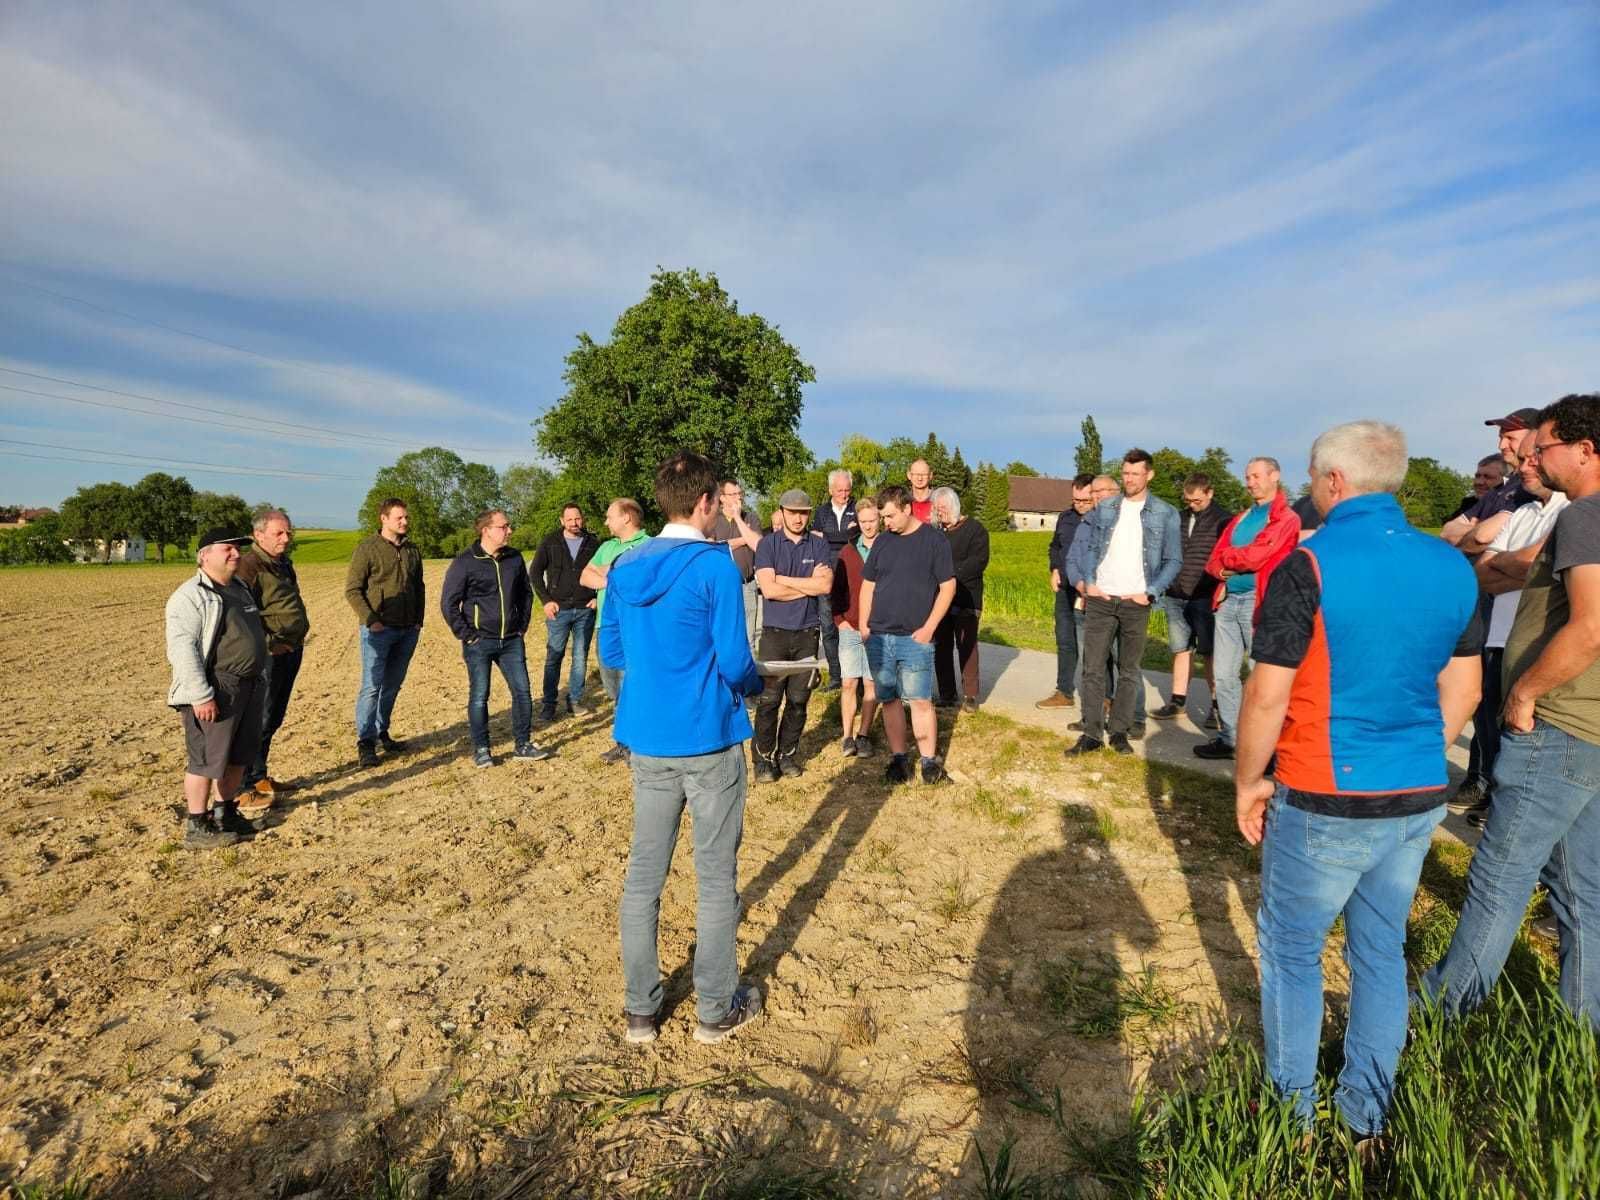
x,y
100,462
178,462
285,425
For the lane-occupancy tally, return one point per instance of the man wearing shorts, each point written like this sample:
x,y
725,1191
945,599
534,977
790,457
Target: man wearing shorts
x,y
847,619
907,585
1190,624
217,646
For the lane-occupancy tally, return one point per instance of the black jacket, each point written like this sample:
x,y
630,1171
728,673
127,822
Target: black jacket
x,y
1192,582
838,532
1061,541
969,554
486,596
554,572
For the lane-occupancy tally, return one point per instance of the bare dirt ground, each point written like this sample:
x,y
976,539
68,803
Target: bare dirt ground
x,y
412,982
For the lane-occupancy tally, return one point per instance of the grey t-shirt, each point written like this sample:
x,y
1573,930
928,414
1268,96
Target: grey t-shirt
x,y
242,643
1545,607
743,557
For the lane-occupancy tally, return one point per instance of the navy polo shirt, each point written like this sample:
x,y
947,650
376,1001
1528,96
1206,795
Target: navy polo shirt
x,y
798,560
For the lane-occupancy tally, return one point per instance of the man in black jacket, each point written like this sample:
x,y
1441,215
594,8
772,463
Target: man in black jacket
x,y
1188,602
568,608
835,521
957,635
487,605
1067,628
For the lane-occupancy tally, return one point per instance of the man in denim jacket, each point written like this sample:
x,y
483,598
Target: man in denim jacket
x,y
1125,555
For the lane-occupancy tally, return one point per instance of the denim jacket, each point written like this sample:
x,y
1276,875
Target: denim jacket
x,y
1163,555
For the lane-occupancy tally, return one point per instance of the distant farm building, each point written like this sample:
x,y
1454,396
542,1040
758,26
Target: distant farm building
x,y
123,550
1036,502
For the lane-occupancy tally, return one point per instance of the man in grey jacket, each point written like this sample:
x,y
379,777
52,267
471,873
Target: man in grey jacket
x,y
1126,555
217,646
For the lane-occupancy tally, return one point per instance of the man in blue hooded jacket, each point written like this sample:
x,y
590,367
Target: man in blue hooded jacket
x,y
678,630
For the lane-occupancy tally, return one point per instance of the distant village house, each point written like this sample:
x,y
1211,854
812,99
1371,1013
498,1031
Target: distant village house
x,y
1036,502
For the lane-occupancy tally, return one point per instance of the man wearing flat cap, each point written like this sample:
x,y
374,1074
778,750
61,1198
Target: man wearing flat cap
x,y
1474,529
217,646
793,572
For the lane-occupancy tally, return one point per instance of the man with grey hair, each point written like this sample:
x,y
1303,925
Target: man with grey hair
x,y
1247,551
1361,772
837,522
957,633
265,569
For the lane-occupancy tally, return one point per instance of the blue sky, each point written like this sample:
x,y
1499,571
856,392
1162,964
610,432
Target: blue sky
x,y
1205,224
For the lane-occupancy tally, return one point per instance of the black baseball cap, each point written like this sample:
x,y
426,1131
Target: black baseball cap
x,y
220,537
1523,418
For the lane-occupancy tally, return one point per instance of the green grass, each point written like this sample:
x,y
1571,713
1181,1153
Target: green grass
x,y
325,545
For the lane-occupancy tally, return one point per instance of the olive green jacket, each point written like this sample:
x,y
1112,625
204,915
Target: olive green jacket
x,y
273,583
384,583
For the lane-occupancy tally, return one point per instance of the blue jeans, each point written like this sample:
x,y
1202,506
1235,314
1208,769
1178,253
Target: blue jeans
x,y
511,657
578,624
1235,627
901,666
1312,869
1068,636
1544,825
713,787
385,656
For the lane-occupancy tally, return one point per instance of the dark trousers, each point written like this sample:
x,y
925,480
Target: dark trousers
x,y
511,656
956,637
1105,621
279,679
773,739
1486,722
830,638
1066,640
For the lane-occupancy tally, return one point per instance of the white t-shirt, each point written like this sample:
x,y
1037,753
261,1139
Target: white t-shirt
x,y
1121,571
1528,524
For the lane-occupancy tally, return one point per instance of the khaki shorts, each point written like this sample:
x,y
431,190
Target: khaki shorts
x,y
234,737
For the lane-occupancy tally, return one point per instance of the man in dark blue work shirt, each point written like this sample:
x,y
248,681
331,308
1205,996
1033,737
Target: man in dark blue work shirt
x,y
794,571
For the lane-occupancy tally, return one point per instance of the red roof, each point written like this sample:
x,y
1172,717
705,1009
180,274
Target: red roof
x,y
1034,493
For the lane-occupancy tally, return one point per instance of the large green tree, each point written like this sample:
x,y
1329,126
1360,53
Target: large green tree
x,y
994,508
221,510
39,541
684,368
1090,451
163,508
101,512
1431,492
442,493
864,459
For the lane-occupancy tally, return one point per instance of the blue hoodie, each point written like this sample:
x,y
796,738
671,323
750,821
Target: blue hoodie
x,y
675,624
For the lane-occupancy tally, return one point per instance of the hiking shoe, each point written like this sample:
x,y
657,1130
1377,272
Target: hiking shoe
x,y
746,1007
200,834
1166,712
366,753
766,772
482,758
270,787
789,769
1077,727
933,771
391,746
970,704
1056,699
617,753
898,770
864,746
1216,748
1469,795
1119,742
1084,745
642,1029
532,752
848,747
227,818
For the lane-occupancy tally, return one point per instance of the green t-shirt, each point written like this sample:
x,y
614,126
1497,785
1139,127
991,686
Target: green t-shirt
x,y
610,550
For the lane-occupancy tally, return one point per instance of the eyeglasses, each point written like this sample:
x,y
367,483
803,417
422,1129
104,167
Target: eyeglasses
x,y
1539,449
507,525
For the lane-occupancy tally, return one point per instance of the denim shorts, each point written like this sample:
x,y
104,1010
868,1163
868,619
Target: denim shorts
x,y
852,654
902,667
1191,625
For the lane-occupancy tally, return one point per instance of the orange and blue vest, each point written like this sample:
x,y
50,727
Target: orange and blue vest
x,y
1364,715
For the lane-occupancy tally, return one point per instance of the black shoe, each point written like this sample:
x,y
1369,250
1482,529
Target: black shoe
x,y
1119,742
1167,712
898,770
1084,745
617,753
1216,748
788,768
367,753
946,702
1077,727
765,771
746,1007
547,716
1136,730
532,752
834,684
1470,794
848,747
390,746
200,834
933,771
864,747
970,704
1478,815
227,818
642,1029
